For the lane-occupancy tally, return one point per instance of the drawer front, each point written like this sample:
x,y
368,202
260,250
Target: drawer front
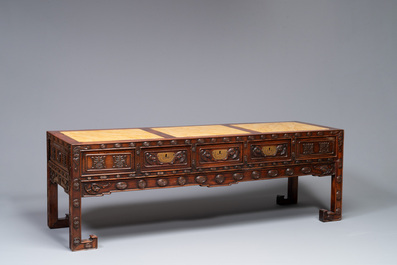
x,y
166,158
219,155
268,151
108,161
320,147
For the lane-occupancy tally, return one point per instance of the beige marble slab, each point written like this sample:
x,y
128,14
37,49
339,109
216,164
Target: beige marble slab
x,y
280,127
110,135
200,131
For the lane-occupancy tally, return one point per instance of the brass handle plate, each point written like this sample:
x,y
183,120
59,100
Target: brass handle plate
x,y
166,157
219,154
269,150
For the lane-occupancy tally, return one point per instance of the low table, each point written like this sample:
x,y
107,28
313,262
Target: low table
x,y
97,162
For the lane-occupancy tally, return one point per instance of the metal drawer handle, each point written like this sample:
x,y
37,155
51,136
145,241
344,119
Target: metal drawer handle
x,y
166,157
219,154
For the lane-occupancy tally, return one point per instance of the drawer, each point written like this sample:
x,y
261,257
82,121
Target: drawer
x,y
219,155
269,151
108,161
318,147
159,158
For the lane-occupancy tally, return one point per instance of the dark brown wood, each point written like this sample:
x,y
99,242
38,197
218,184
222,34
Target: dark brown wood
x,y
292,197
97,168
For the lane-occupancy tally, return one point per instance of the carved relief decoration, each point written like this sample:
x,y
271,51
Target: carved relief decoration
x,y
95,188
324,147
141,184
340,141
121,185
98,162
59,176
317,148
258,151
76,156
210,155
120,161
59,155
324,170
76,203
182,181
166,158
308,148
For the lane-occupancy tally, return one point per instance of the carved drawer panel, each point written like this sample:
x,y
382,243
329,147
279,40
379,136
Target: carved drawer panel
x,y
219,155
166,158
108,161
318,147
271,150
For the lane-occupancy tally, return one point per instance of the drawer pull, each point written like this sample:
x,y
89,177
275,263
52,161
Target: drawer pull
x,y
219,154
166,157
269,150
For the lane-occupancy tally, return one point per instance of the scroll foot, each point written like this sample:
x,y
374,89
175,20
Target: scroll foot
x,y
281,200
329,216
78,244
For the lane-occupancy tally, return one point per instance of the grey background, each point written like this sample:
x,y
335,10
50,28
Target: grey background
x,y
116,64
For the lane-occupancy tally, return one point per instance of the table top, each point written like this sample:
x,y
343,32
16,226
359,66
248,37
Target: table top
x,y
136,134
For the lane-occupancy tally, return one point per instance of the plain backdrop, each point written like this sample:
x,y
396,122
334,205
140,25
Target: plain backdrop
x,y
85,64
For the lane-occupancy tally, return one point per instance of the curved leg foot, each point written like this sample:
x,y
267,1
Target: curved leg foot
x,y
78,244
292,193
329,216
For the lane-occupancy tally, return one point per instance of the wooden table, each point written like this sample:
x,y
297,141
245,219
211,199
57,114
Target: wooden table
x,y
97,162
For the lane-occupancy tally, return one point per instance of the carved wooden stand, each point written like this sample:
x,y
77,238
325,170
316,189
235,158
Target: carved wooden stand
x,y
158,158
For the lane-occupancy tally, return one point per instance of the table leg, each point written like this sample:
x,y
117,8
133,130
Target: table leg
x,y
335,214
52,206
75,241
292,193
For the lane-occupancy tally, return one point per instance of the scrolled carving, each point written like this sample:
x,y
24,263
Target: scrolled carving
x,y
95,188
76,155
178,158
323,170
259,151
207,155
